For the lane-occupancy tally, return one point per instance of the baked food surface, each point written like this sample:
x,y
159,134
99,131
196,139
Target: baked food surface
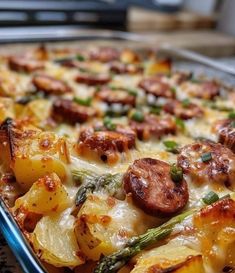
x,y
112,161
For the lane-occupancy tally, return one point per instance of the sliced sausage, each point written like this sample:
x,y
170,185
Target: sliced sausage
x,y
149,181
226,132
153,126
179,77
104,54
23,64
116,96
183,110
105,145
204,90
208,162
122,68
93,79
71,112
156,87
50,85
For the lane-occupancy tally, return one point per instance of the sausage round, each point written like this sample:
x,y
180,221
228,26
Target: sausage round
x,y
177,108
153,126
93,79
50,85
104,54
105,145
226,132
219,168
71,112
23,64
122,68
149,181
156,87
204,90
116,96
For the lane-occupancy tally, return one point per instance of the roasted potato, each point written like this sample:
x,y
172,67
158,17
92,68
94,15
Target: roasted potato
x,y
215,229
170,258
38,153
54,241
102,225
46,195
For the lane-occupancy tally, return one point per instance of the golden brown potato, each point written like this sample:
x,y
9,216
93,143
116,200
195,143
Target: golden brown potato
x,y
169,258
215,229
46,195
102,227
54,241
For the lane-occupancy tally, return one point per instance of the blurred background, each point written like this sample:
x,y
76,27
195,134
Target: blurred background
x,y
206,26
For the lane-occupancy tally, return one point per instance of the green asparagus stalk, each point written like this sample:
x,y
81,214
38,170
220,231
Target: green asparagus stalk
x,y
113,262
110,183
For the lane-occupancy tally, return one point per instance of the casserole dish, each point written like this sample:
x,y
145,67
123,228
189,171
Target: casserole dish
x,y
31,132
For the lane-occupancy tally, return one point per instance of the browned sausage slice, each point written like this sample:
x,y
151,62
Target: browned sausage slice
x,y
93,79
105,145
50,85
208,162
149,181
23,64
71,112
156,87
226,132
153,126
204,90
116,96
183,110
122,68
104,54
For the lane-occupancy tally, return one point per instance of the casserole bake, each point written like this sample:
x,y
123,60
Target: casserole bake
x,y
110,152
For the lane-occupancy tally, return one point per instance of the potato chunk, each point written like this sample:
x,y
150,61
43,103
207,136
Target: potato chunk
x,y
215,229
6,109
38,153
169,258
102,225
46,195
54,241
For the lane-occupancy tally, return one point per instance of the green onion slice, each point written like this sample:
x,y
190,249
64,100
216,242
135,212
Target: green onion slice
x,y
137,116
176,173
210,198
185,103
109,124
171,146
84,102
206,157
231,115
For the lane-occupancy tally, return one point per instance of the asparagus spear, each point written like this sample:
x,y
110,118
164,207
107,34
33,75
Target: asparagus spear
x,y
115,261
94,182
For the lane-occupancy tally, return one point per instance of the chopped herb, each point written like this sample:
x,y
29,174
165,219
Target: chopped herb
x,y
137,116
132,92
171,146
114,87
180,123
156,110
173,90
176,173
84,102
109,124
210,198
80,58
185,103
231,115
206,157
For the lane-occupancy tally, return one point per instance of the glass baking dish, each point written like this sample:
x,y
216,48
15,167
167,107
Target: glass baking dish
x,y
181,59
